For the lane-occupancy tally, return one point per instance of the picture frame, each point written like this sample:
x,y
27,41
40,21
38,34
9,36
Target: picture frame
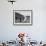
x,y
22,17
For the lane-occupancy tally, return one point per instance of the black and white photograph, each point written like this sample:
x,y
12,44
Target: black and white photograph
x,y
22,16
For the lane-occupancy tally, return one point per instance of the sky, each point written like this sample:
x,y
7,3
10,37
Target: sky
x,y
37,31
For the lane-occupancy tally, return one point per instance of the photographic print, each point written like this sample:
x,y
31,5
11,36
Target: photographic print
x,y
22,17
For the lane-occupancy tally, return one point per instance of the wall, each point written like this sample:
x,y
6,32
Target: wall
x,y
37,31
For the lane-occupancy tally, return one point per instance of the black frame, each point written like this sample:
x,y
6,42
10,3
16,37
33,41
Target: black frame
x,y
24,24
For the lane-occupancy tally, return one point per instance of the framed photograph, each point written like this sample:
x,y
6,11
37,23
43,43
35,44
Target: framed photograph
x,y
22,17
